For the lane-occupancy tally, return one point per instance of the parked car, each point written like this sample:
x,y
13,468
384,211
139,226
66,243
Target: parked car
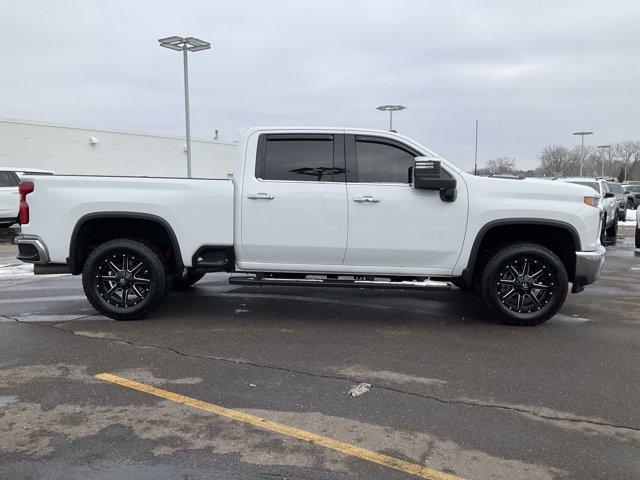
x,y
9,199
9,195
633,195
607,202
637,231
621,198
318,207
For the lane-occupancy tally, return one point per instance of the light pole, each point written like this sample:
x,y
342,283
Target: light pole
x,y
188,44
602,149
475,161
582,134
390,109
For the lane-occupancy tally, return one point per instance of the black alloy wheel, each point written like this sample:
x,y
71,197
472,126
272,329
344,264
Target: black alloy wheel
x,y
126,279
123,279
524,284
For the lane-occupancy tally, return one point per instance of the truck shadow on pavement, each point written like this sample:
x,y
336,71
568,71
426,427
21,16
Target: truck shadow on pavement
x,y
329,305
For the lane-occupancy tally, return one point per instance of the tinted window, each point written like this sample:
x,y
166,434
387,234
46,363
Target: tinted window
x,y
593,185
616,187
382,162
633,188
8,179
301,159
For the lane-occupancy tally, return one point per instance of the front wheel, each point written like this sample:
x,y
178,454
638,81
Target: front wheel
x,y
125,279
524,284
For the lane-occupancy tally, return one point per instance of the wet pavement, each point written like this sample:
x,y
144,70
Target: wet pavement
x,y
450,390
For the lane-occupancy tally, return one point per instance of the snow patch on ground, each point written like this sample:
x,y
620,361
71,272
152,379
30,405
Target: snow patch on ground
x,y
570,318
630,219
18,272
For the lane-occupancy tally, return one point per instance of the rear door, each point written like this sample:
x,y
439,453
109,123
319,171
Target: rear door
x,y
9,200
392,224
294,206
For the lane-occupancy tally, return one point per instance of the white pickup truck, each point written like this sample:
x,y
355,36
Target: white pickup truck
x,y
318,207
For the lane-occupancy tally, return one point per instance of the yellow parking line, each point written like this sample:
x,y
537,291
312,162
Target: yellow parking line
x,y
342,447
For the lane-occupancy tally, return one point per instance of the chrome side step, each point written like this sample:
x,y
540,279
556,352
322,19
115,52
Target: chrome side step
x,y
424,285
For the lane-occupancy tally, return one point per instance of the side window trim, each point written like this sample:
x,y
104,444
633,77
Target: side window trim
x,y
338,153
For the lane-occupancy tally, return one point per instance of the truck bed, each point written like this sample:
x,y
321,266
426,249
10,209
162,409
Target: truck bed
x,y
198,211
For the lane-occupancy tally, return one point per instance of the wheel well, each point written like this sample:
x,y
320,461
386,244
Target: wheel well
x,y
560,240
94,230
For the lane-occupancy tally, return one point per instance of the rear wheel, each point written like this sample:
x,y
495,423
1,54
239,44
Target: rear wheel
x,y
612,231
524,284
125,279
182,282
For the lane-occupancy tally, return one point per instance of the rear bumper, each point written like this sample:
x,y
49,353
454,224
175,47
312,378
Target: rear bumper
x,y
31,249
588,267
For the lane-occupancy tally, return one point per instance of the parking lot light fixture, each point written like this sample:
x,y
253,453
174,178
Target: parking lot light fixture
x,y
582,134
602,153
391,109
185,44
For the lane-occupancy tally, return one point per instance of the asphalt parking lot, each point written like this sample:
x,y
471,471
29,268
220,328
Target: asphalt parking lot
x,y
264,376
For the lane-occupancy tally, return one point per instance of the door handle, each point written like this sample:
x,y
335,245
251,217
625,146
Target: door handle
x,y
260,196
366,198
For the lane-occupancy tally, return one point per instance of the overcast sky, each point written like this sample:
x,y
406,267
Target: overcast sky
x,y
532,72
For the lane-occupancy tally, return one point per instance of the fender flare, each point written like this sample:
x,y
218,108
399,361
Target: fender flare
x,y
71,260
467,273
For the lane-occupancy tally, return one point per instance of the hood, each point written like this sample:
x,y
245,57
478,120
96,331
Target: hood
x,y
532,188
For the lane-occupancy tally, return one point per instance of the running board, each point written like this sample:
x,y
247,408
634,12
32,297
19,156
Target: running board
x,y
425,285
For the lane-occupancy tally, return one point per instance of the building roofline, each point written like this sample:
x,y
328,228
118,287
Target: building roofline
x,y
102,130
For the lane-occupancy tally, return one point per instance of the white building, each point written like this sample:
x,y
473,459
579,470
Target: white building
x,y
73,150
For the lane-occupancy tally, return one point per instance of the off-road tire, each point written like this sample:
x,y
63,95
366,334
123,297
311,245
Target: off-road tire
x,y
159,281
555,277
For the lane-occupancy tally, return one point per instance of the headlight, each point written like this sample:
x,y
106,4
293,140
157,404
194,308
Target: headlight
x,y
591,201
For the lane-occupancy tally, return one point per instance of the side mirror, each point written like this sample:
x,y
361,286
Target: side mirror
x,y
609,195
428,175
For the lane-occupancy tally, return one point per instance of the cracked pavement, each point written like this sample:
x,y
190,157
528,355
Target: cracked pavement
x,y
450,390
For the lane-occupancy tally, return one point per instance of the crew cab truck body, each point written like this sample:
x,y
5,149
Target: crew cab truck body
x,y
319,207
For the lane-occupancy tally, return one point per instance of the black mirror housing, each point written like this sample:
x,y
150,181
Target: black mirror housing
x,y
609,195
428,175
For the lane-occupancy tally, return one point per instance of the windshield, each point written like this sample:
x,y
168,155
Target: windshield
x,y
593,185
633,188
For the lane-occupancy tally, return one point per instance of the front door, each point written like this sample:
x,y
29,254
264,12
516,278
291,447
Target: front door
x,y
294,206
392,224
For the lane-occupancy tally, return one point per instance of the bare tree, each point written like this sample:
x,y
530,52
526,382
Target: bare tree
x,y
629,153
501,166
556,160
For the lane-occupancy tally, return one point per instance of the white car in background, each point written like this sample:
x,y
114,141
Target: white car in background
x,y
607,202
9,194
